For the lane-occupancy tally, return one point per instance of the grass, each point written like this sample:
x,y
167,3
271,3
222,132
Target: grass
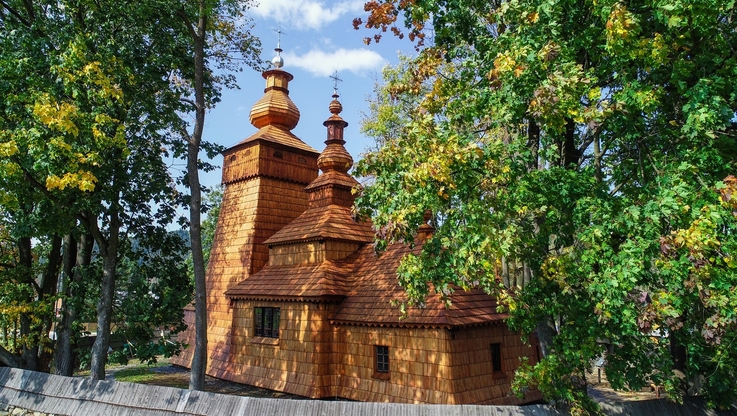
x,y
135,375
137,372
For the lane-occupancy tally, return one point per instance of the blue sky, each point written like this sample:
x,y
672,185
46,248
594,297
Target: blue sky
x,y
318,39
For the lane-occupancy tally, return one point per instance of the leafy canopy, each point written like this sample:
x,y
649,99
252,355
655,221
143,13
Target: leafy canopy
x,y
580,149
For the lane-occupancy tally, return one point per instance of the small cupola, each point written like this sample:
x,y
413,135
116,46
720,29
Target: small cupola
x,y
275,107
335,157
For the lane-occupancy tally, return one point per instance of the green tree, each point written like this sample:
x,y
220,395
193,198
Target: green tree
x,y
94,92
152,290
215,30
573,154
87,104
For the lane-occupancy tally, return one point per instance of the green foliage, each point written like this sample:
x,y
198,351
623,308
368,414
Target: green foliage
x,y
93,98
152,291
212,203
19,297
578,149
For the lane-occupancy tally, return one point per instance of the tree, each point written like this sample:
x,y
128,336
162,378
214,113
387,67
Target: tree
x,y
84,124
87,115
215,31
152,290
77,258
574,155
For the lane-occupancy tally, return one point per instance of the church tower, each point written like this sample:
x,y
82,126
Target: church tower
x,y
264,178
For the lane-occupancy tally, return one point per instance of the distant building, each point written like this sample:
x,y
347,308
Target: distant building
x,y
299,302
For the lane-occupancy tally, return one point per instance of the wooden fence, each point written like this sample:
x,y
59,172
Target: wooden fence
x,y
81,396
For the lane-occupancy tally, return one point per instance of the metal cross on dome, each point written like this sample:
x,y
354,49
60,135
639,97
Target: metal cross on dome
x,y
336,80
279,32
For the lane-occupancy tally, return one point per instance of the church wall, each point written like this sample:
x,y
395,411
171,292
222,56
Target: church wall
x,y
297,362
272,161
474,380
310,252
251,212
419,365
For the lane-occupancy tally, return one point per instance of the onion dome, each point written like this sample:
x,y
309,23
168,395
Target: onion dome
x,y
275,107
335,157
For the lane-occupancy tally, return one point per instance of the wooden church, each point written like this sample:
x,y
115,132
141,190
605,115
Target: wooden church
x,y
299,302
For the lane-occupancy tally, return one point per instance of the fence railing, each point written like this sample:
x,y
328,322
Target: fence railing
x,y
59,395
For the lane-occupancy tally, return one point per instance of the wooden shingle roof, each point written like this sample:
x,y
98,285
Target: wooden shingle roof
x,y
332,178
325,280
333,222
278,135
375,291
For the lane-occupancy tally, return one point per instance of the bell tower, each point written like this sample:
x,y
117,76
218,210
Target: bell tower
x,y
264,177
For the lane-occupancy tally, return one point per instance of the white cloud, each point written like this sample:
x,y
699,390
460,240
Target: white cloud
x,y
321,63
307,14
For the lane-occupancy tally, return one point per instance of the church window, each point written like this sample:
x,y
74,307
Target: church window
x,y
382,359
278,155
496,357
266,322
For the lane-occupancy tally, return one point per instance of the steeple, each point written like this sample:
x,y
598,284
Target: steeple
x,y
275,107
334,185
328,216
278,61
283,155
335,157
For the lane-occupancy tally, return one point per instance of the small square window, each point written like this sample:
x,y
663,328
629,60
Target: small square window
x,y
266,322
496,357
382,359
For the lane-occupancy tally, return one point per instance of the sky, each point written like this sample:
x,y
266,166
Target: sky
x,y
318,40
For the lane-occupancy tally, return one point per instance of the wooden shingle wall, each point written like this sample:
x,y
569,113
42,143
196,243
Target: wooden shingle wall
x,y
332,195
315,359
419,365
297,362
310,252
265,159
252,210
474,379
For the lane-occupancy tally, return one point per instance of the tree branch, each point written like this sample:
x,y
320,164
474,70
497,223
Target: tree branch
x,y
188,101
94,229
29,8
185,134
187,23
15,13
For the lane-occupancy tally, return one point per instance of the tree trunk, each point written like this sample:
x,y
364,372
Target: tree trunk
x,y
109,252
48,289
571,155
30,349
505,272
9,359
199,358
63,356
545,333
533,143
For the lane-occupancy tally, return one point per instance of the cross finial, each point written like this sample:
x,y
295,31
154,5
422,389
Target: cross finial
x,y
278,61
336,80
278,37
